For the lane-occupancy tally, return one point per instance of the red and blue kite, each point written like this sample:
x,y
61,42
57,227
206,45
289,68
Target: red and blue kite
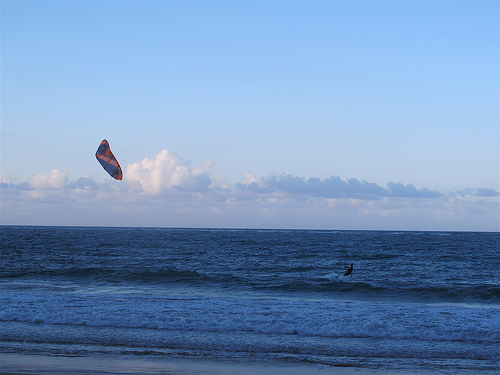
x,y
108,160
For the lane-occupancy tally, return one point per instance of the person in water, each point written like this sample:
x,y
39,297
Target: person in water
x,y
348,270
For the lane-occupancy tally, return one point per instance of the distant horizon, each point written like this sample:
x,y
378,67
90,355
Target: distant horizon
x,y
249,229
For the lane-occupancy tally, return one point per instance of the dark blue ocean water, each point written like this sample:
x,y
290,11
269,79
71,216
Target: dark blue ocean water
x,y
415,300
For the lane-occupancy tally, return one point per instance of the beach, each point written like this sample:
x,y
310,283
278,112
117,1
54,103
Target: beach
x,y
41,365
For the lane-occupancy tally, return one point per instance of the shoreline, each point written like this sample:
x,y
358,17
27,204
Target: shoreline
x,y
29,364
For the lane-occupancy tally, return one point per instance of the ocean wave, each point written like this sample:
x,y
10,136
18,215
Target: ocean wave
x,y
297,279
335,319
340,286
111,274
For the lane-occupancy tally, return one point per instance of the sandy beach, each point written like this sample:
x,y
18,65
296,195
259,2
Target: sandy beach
x,y
19,364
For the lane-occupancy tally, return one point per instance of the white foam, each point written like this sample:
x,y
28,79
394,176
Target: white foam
x,y
268,316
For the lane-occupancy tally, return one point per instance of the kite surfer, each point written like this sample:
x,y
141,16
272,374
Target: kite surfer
x,y
348,270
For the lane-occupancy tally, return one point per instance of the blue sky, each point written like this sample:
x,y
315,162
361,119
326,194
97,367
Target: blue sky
x,y
240,114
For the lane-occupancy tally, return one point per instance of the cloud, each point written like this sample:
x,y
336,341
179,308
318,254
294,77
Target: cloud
x,y
168,191
84,183
333,187
5,179
479,192
52,180
250,179
410,191
169,170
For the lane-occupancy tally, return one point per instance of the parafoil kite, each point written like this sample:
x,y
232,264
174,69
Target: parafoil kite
x,y
108,160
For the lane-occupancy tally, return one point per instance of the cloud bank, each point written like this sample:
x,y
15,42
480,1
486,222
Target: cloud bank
x,y
167,191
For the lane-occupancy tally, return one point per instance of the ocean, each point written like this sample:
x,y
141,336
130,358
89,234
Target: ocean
x,y
415,301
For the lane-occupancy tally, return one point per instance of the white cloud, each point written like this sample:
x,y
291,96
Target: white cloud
x,y
52,180
168,170
250,179
5,179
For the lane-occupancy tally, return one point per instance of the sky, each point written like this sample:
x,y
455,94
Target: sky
x,y
378,115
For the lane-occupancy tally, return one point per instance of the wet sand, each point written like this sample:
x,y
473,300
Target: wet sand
x,y
18,364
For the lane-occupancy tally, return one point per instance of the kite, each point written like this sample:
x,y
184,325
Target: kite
x,y
108,160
